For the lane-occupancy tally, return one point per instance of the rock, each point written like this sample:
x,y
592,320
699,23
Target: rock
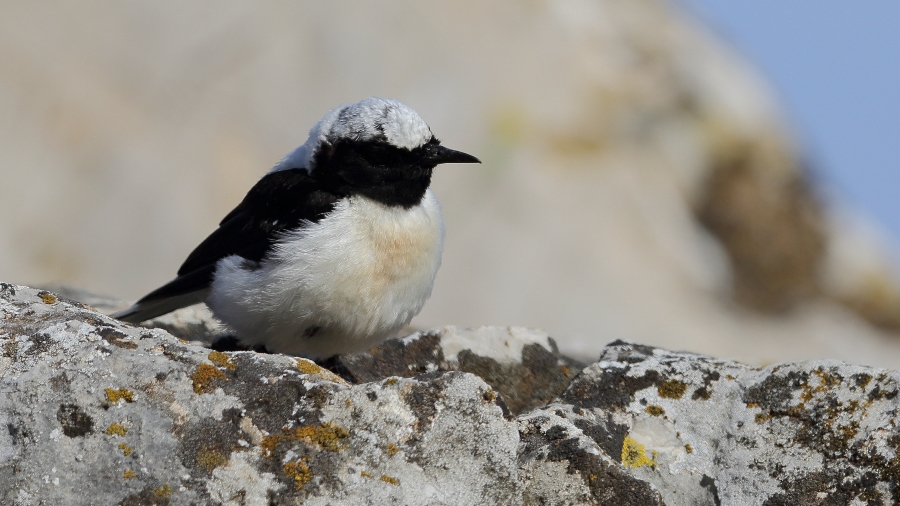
x,y
100,411
523,365
553,451
97,411
192,323
707,431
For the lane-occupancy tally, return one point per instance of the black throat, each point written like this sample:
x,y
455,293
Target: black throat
x,y
374,169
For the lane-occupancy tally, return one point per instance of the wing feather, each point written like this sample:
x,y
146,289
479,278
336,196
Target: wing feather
x,y
281,201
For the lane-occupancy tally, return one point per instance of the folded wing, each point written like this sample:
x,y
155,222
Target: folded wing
x,y
280,202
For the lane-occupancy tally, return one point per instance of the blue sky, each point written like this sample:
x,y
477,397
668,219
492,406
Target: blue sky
x,y
835,65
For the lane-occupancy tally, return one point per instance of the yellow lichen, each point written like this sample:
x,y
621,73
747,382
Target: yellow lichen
x,y
126,450
222,360
326,435
688,448
48,298
210,458
390,479
391,449
489,395
203,377
655,410
365,474
299,471
115,395
128,474
116,429
163,492
309,367
391,381
671,389
761,417
635,455
827,382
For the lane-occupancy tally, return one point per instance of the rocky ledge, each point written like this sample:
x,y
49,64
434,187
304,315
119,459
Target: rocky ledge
x,y
94,411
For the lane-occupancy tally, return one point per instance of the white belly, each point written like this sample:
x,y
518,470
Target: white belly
x,y
337,286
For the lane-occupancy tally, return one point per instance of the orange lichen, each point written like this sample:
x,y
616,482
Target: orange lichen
x,y
115,395
309,367
299,471
204,376
116,429
222,360
163,492
326,435
129,474
655,410
671,389
827,382
389,479
391,449
210,458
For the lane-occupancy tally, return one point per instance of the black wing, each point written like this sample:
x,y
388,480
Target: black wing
x,y
279,202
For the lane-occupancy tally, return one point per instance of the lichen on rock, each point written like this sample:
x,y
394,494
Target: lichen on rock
x,y
423,420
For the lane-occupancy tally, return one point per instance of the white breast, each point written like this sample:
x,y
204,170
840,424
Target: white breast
x,y
340,285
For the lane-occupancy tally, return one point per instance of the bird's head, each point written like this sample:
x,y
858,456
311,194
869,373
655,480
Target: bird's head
x,y
378,148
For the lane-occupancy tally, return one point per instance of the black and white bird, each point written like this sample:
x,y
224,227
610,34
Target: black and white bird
x,y
331,252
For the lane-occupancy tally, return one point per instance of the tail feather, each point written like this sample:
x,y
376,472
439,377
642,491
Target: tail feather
x,y
145,310
183,291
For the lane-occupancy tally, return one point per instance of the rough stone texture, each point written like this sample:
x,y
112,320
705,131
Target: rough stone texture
x,y
523,365
193,323
553,449
98,412
707,431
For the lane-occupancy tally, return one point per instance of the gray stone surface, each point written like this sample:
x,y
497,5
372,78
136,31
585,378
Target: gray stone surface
x,y
98,412
523,365
94,411
707,431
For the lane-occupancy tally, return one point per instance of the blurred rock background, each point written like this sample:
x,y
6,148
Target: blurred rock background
x,y
638,183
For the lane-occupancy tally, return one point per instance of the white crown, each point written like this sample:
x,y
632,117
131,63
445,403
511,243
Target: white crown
x,y
373,118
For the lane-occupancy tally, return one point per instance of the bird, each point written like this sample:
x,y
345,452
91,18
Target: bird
x,y
334,250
